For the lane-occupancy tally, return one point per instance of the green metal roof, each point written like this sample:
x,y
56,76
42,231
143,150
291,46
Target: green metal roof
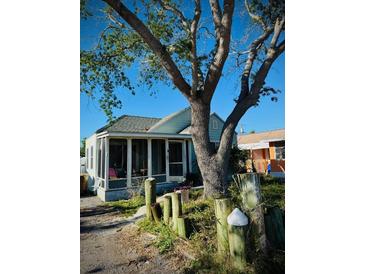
x,y
129,123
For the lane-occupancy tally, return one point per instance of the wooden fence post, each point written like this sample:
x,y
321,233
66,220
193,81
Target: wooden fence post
x,y
223,208
156,212
150,196
236,236
176,209
252,203
167,210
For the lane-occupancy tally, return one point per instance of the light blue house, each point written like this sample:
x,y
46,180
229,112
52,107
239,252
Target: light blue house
x,y
121,155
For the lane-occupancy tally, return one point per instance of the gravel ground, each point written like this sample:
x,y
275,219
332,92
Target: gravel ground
x,y
113,244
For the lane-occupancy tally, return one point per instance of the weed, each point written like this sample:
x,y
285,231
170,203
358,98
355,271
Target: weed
x,y
165,236
127,207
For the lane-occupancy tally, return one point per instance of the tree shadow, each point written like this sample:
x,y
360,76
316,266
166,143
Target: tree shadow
x,y
107,225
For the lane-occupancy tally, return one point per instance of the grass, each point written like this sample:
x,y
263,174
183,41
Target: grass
x,y
165,236
127,207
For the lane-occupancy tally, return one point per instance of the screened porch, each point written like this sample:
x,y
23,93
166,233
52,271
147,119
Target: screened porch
x,y
126,162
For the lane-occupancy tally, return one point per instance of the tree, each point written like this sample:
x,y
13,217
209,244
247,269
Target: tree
x,y
165,37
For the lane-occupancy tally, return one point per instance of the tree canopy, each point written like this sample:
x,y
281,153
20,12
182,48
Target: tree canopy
x,y
190,34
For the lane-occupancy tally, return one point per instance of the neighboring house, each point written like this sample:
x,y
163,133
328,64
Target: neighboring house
x,y
122,154
265,147
82,165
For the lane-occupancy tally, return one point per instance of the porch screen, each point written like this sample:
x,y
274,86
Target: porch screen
x,y
175,157
101,159
117,163
139,158
159,160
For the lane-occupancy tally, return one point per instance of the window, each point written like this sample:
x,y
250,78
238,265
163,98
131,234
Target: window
x,y
158,157
214,124
118,158
139,157
175,158
101,159
91,157
117,163
159,160
280,153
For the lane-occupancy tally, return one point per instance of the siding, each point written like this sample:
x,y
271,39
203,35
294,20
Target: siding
x,y
91,141
215,133
173,123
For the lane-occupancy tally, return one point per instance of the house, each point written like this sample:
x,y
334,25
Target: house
x,y
121,155
82,165
265,147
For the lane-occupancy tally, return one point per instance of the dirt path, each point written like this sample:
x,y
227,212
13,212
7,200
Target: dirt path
x,y
112,244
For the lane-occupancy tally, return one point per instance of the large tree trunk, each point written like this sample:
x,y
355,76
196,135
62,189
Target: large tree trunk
x,y
213,167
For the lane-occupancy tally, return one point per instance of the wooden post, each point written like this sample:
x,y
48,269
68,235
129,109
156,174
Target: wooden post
x,y
150,195
184,196
183,227
167,210
236,236
156,212
223,208
274,227
252,202
176,209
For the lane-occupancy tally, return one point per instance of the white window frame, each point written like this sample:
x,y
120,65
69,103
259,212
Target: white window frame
x,y
277,150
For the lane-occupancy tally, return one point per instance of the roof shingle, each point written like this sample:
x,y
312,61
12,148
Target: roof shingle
x,y
129,123
261,136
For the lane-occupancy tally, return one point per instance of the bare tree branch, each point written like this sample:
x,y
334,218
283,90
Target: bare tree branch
x,y
217,16
261,74
254,47
248,96
194,57
279,24
221,54
154,44
178,13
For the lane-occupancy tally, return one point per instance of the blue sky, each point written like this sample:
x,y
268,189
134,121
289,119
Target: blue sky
x,y
268,115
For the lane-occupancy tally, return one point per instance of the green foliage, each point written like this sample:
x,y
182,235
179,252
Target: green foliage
x,y
272,191
195,194
273,194
267,11
84,11
83,147
165,236
103,69
237,159
127,207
